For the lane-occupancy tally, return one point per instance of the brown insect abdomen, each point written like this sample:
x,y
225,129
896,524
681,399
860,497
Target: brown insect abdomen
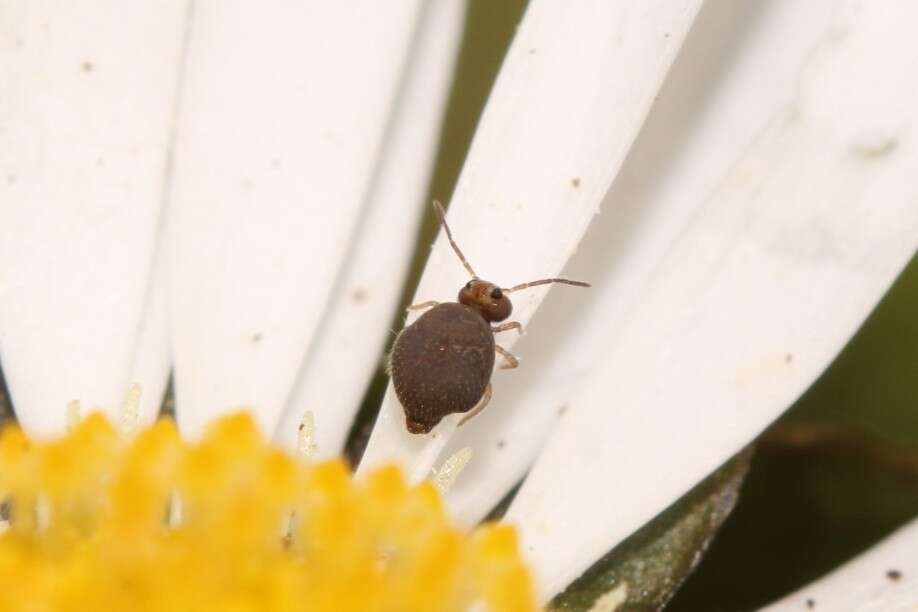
x,y
441,364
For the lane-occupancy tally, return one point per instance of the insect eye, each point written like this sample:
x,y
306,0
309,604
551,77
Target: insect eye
x,y
496,293
468,285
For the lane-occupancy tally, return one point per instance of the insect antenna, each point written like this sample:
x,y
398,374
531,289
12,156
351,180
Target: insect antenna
x,y
441,215
545,281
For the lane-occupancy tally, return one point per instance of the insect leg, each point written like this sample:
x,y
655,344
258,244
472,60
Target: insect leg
x,y
505,326
479,406
423,305
510,361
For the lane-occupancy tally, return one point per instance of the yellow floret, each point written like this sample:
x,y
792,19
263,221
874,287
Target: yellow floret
x,y
104,521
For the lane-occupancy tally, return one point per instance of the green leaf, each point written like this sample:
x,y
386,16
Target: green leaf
x,y
644,571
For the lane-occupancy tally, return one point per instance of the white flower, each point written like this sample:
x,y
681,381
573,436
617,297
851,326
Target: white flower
x,y
232,192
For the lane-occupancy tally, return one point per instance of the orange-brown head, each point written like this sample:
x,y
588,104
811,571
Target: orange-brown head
x,y
487,298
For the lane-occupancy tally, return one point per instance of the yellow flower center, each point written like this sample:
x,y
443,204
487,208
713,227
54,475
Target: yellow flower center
x,y
102,521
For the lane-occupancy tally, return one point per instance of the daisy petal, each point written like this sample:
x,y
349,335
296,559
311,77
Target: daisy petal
x,y
650,566
711,108
86,122
283,113
771,278
542,158
882,578
345,351
152,359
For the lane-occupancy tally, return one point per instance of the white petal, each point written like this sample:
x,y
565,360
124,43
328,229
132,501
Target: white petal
x,y
152,358
284,109
879,580
86,119
345,351
765,286
569,100
712,106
